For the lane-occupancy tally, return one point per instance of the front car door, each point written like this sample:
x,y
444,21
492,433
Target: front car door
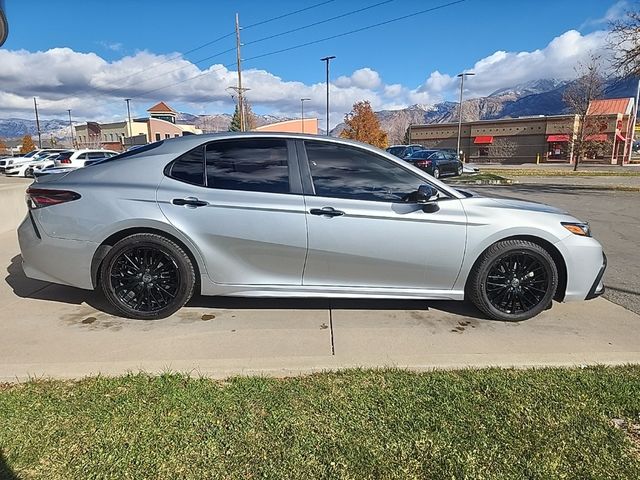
x,y
362,233
240,201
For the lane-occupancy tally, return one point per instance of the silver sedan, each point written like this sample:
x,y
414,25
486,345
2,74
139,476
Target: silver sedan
x,y
286,215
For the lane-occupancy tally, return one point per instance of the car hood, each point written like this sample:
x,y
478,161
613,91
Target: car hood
x,y
520,205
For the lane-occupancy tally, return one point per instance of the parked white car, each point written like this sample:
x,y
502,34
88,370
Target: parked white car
x,y
25,169
79,157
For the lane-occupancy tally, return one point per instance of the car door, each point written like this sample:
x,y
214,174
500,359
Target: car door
x,y
240,201
362,233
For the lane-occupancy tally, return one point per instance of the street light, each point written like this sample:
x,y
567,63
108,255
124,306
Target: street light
x,y
327,60
130,129
461,75
73,142
302,100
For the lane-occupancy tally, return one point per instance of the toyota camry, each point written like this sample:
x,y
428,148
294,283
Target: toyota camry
x,y
288,215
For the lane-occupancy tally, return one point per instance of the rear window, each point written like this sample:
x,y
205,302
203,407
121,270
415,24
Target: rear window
x,y
397,150
188,167
135,151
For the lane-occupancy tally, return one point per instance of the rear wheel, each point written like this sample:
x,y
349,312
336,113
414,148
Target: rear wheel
x,y
459,171
436,172
513,280
147,276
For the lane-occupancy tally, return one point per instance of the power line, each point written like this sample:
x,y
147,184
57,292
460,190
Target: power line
x,y
313,42
227,35
196,62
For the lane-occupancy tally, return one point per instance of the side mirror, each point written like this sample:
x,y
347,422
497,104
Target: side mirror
x,y
426,194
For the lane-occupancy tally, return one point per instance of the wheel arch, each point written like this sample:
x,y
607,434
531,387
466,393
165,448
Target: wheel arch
x,y
551,250
109,242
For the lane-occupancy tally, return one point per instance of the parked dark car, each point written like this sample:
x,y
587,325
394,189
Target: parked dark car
x,y
436,162
404,151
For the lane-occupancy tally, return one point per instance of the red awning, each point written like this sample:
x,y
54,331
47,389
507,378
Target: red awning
x,y
620,137
483,140
558,138
598,137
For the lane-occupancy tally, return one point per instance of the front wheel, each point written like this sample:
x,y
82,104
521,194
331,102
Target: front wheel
x,y
147,276
513,280
459,171
436,172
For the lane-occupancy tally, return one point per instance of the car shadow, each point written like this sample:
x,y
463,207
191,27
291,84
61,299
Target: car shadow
x,y
6,473
25,287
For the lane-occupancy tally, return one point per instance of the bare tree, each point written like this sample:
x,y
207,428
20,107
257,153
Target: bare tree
x,y
624,40
577,97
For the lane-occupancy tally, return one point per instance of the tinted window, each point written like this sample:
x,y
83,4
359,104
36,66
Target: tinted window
x,y
82,156
397,151
347,172
189,167
258,165
97,155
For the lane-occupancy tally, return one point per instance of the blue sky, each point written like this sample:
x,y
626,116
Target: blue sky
x,y
403,55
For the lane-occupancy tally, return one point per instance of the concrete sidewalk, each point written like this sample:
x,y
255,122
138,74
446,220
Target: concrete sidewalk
x,y
62,332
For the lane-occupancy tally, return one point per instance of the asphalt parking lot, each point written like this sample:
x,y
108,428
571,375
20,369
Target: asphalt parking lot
x,y
56,331
615,219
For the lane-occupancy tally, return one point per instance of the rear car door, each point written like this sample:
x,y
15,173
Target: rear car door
x,y
240,201
362,233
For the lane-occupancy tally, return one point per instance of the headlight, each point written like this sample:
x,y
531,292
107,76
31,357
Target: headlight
x,y
577,228
9,162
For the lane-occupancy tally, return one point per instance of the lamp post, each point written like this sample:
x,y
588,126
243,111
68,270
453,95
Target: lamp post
x,y
461,75
130,129
327,60
73,142
302,100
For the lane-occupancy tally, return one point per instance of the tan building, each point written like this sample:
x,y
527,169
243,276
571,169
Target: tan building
x,y
161,124
542,138
310,125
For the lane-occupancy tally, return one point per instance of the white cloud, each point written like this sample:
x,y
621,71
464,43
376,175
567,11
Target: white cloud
x,y
95,88
613,13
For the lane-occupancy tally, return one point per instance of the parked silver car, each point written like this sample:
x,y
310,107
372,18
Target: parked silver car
x,y
272,215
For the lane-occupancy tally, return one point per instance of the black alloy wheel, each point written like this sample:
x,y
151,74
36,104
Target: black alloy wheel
x,y
513,280
147,276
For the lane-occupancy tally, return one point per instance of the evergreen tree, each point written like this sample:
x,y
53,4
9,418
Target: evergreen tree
x,y
363,125
234,126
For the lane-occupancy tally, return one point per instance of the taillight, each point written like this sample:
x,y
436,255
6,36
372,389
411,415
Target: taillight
x,y
65,160
41,197
423,163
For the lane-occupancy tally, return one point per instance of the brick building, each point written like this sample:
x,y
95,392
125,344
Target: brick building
x,y
608,131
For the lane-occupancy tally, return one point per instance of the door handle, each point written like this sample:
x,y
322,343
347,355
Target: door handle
x,y
190,202
326,211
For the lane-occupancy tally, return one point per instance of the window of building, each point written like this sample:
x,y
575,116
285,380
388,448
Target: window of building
x,y
167,135
346,172
483,151
157,137
176,135
257,165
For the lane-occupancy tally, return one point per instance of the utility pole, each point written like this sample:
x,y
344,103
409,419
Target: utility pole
x,y
633,125
73,142
302,100
239,88
327,60
461,76
35,106
129,115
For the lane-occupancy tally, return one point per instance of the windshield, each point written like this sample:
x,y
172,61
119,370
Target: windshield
x,y
397,150
130,153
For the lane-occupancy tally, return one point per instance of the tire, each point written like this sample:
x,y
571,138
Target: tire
x,y
436,172
147,276
28,173
526,287
459,171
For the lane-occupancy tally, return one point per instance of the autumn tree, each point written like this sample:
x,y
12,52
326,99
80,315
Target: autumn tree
x,y
577,97
27,144
362,124
3,147
624,40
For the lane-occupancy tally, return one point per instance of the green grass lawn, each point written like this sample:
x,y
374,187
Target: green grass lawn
x,y
547,172
482,176
475,424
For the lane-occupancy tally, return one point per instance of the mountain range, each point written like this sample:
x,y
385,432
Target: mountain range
x,y
540,97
